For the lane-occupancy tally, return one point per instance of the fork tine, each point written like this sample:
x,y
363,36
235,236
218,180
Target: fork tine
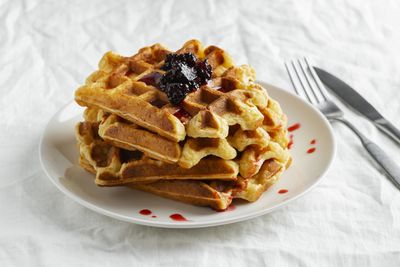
x,y
291,76
296,80
316,80
300,77
310,82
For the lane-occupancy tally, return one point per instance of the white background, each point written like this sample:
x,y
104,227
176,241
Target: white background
x,y
47,48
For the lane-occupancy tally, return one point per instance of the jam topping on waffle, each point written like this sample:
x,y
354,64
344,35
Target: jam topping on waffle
x,y
184,74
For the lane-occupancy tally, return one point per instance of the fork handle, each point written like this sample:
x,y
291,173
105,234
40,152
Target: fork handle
x,y
390,167
388,128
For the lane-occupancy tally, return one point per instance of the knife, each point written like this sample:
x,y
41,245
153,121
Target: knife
x,y
359,103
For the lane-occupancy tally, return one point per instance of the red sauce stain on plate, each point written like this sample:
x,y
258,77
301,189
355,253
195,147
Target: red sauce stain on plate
x,y
311,150
178,217
283,191
294,127
231,208
290,144
313,142
145,212
154,216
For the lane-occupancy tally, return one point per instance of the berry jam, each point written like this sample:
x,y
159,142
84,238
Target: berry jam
x,y
173,60
184,74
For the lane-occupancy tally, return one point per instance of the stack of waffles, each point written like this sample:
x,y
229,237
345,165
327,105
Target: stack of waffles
x,y
226,140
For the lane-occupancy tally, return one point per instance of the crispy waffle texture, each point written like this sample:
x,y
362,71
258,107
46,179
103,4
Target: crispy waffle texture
x,y
226,140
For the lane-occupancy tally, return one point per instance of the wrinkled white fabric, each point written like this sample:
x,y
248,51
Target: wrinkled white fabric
x,y
48,48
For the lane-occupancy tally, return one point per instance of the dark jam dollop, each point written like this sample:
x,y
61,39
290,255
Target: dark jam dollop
x,y
184,74
174,60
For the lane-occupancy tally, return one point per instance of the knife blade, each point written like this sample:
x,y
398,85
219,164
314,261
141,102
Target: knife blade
x,y
358,102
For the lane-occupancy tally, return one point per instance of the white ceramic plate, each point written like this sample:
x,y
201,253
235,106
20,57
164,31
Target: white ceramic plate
x,y
59,157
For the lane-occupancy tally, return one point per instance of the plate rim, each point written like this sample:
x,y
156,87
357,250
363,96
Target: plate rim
x,y
189,224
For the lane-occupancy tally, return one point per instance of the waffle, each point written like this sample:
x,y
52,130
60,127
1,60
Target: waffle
x,y
117,166
217,194
227,134
268,175
129,136
188,191
103,159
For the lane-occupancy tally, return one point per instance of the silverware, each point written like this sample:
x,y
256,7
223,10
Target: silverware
x,y
307,84
357,102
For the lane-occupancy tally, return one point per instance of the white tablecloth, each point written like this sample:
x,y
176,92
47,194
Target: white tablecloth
x,y
48,48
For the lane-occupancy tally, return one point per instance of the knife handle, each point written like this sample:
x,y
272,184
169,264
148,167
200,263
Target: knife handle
x,y
391,168
388,128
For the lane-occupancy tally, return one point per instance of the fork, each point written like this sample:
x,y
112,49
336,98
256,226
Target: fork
x,y
308,85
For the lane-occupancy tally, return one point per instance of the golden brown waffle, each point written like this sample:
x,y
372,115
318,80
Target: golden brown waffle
x,y
202,194
188,191
116,166
192,192
268,175
124,134
111,89
227,127
215,194
230,98
103,159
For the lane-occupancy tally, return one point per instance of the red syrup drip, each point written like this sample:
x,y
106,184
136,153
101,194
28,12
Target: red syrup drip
x,y
178,217
145,212
154,216
294,127
311,150
290,144
283,191
313,142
